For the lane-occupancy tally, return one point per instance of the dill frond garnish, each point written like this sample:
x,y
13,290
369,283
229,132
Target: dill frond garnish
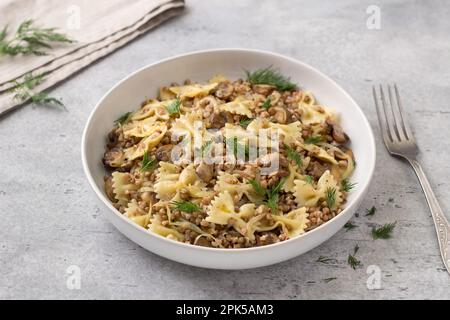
x,y
186,206
347,186
123,118
293,155
266,104
237,147
308,179
23,91
206,147
174,107
371,211
271,195
271,77
330,197
245,122
349,226
313,139
383,232
147,162
30,39
352,260
257,187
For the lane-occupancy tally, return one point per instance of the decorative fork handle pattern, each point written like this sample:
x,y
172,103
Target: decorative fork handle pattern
x,y
440,221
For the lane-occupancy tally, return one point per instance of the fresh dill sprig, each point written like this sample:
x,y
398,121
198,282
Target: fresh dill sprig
x,y
174,107
313,139
324,260
30,39
257,187
308,179
330,197
383,232
237,147
293,155
206,147
245,122
23,91
347,186
147,162
271,77
266,104
371,211
186,206
349,226
123,118
352,260
327,280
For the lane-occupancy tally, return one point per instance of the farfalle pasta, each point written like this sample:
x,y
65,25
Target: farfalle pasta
x,y
229,164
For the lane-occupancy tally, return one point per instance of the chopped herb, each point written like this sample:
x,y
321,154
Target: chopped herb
x,y
391,199
383,232
206,147
123,118
147,162
257,187
324,260
347,186
293,155
330,197
327,280
23,91
349,226
174,107
371,211
266,104
245,122
271,77
308,179
29,39
278,186
237,147
352,260
186,206
313,139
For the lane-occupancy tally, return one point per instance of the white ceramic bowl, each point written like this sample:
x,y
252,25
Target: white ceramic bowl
x,y
128,94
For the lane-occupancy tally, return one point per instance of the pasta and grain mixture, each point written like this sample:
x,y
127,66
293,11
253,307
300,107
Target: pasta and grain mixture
x,y
229,203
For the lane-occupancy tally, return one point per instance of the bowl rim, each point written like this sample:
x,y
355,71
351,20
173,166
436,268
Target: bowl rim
x,y
371,149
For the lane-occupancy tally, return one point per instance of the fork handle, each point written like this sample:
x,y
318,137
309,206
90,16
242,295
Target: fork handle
x,y
440,221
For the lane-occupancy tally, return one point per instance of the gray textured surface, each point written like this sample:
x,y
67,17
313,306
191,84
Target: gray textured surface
x,y
50,218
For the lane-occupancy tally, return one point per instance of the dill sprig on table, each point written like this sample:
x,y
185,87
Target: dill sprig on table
x,y
148,163
324,260
30,39
383,232
271,77
23,91
123,118
349,226
352,260
186,206
347,186
371,211
327,280
293,155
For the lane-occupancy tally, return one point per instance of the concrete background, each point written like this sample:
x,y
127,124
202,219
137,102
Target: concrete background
x,y
50,218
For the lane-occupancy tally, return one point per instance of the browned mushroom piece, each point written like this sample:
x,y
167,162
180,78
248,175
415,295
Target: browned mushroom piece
x,y
109,189
279,114
114,158
224,90
205,171
218,120
263,89
316,169
163,153
337,132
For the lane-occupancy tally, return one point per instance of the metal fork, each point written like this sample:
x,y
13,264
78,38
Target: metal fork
x,y
400,141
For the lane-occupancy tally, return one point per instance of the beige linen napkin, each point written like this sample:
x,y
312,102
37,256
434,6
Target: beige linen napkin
x,y
99,27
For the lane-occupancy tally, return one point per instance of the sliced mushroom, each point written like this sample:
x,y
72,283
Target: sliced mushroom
x,y
114,158
337,132
163,153
218,120
263,89
205,172
279,114
224,90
